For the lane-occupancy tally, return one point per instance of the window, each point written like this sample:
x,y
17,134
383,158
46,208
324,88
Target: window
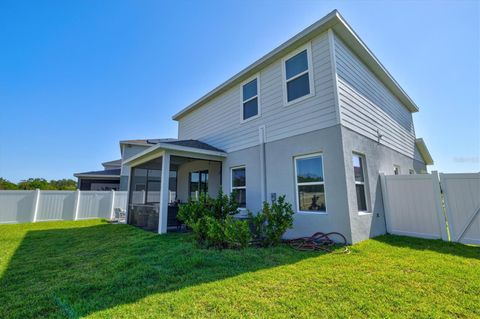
x,y
239,186
298,76
310,184
198,184
250,100
359,173
396,169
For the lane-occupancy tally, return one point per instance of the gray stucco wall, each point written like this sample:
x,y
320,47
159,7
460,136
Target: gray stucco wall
x,y
250,158
378,158
280,178
213,169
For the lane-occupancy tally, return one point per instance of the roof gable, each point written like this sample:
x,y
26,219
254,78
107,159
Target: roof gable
x,y
331,21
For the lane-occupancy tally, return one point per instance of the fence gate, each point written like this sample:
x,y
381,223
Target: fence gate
x,y
413,205
462,204
430,206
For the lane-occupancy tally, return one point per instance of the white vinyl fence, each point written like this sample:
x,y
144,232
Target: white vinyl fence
x,y
33,206
414,206
462,204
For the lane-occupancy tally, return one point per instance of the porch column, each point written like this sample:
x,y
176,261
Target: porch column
x,y
163,213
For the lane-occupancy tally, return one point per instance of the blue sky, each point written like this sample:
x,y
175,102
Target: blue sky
x,y
78,76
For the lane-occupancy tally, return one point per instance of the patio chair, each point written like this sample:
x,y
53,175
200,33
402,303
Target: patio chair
x,y
120,215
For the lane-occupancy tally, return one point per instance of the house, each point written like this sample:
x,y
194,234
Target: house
x,y
317,119
106,179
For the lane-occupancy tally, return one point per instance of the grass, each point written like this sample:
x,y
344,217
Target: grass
x,y
96,270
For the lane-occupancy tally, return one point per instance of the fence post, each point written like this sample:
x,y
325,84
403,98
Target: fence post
x,y
35,205
77,204
437,194
112,206
386,207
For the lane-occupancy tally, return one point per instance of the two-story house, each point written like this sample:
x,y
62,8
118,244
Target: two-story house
x,y
317,119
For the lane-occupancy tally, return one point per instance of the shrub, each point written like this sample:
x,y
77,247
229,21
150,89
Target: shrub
x,y
212,222
237,232
272,221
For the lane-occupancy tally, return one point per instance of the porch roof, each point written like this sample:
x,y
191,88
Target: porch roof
x,y
192,148
108,173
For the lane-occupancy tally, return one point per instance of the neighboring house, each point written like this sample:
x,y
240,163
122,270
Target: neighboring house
x,y
106,179
317,119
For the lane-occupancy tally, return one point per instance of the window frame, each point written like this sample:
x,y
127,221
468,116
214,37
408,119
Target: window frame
x,y
242,101
395,167
308,48
297,201
200,181
232,188
364,183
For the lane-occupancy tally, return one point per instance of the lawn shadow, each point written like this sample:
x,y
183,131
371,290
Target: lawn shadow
x,y
74,272
436,245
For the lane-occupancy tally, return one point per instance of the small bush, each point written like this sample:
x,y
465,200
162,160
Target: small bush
x,y
272,221
212,222
237,232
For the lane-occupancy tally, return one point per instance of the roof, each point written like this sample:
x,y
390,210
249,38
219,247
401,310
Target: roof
x,y
108,173
147,142
190,146
334,21
117,162
195,144
422,148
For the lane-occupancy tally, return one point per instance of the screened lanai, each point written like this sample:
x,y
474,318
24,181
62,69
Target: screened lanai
x,y
191,171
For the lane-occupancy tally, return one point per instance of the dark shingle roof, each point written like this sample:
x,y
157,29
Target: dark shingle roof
x,y
195,144
186,143
107,172
117,162
147,142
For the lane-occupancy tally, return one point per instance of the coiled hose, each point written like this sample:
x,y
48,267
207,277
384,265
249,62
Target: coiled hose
x,y
320,241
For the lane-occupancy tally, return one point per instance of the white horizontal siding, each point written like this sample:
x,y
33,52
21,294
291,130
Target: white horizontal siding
x,y
367,106
218,121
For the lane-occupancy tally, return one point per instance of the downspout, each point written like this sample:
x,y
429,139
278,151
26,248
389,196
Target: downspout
x,y
263,162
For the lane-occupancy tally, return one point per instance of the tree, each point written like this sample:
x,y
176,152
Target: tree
x,y
6,184
64,184
40,183
34,183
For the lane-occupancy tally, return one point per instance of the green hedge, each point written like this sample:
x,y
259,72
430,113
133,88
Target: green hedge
x,y
213,223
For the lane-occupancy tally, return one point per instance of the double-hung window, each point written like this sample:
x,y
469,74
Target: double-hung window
x,y
239,185
298,79
359,173
250,100
310,184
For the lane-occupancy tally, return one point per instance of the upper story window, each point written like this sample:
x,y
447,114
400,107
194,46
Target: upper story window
x,y
239,185
250,100
310,185
298,79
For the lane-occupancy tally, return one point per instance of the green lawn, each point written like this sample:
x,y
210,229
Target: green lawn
x,y
96,270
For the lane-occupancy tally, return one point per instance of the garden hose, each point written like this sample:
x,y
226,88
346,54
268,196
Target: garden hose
x,y
320,241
